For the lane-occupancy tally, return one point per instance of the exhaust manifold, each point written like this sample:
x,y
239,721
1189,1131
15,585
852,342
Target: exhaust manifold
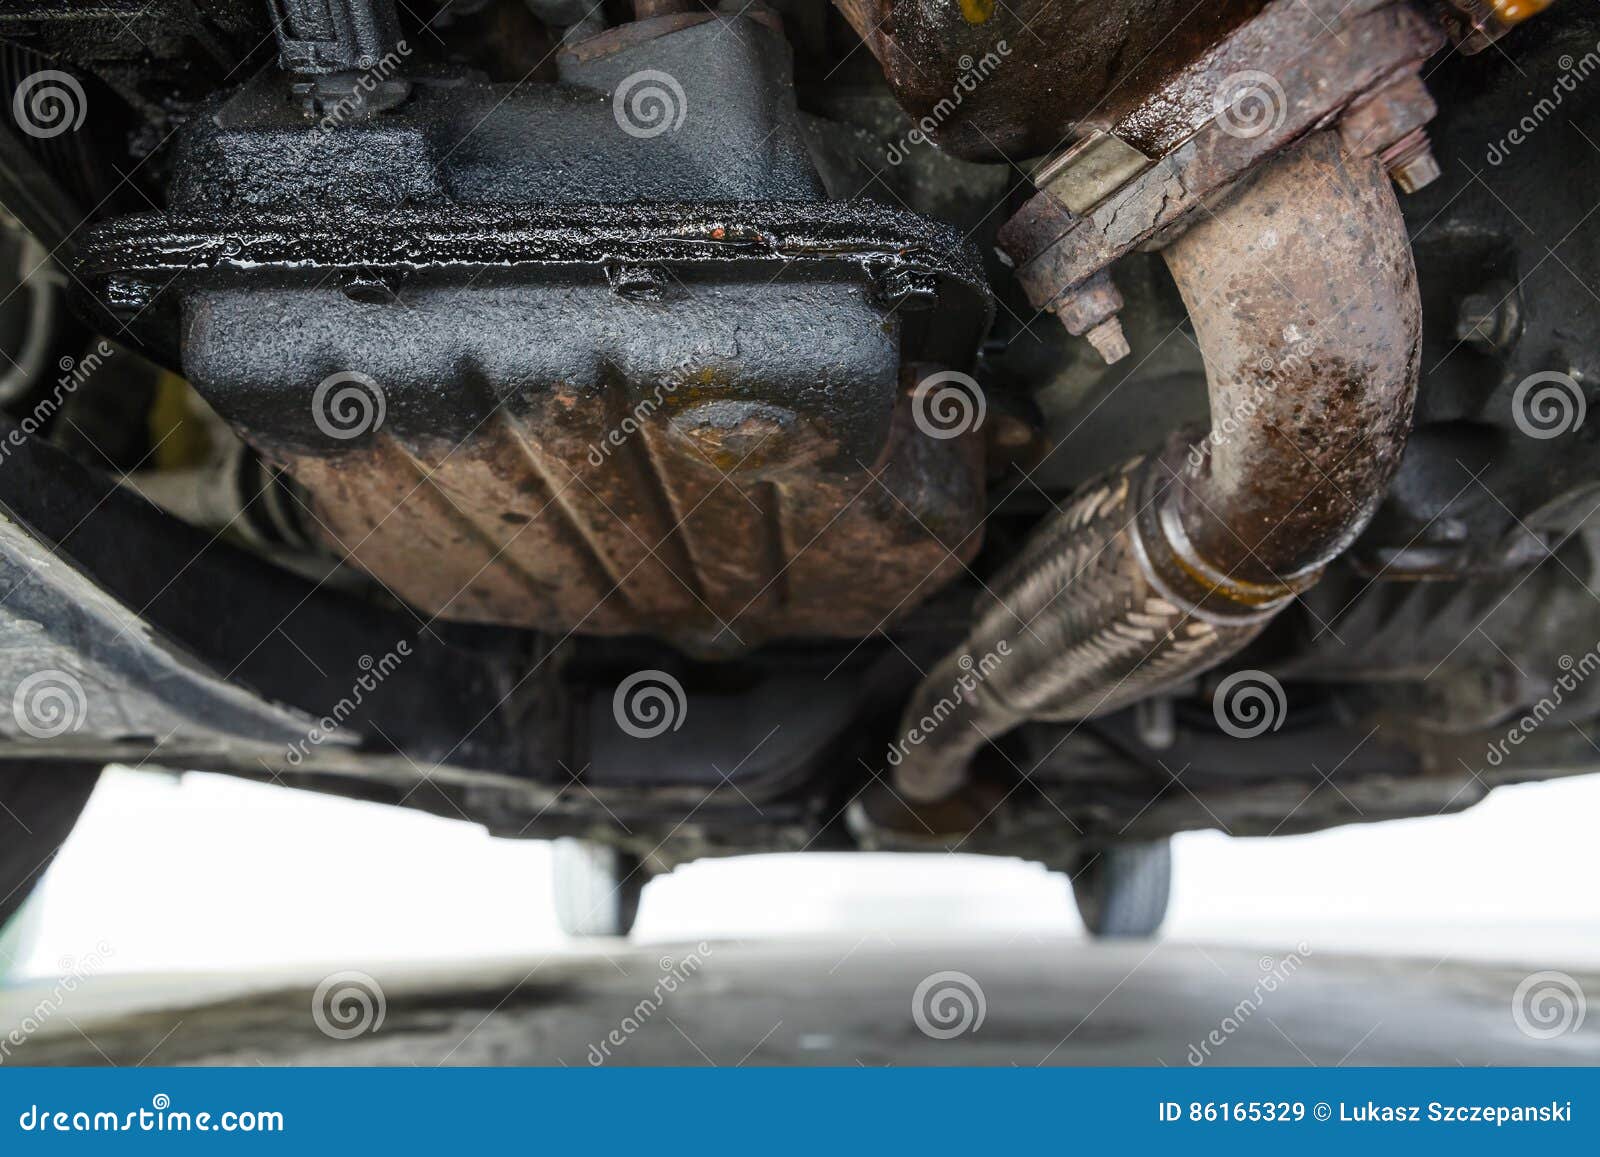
x,y
1303,296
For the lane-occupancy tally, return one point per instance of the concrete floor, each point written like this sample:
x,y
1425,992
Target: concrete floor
x,y
824,1002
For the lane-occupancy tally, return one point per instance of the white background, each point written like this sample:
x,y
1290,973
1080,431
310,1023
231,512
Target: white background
x,y
201,872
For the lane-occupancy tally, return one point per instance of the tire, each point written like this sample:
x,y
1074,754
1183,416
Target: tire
x,y
597,888
1122,892
40,802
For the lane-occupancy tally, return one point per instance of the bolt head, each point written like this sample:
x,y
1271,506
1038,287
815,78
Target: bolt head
x,y
1417,173
1410,162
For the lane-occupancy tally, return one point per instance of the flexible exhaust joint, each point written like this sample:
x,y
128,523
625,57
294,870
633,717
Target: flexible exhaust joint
x,y
1303,296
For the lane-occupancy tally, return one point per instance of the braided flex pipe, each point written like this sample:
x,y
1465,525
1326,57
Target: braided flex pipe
x,y
1303,296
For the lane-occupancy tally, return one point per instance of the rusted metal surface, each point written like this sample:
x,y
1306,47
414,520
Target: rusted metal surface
x,y
708,518
1303,296
1311,49
1069,65
1094,302
1304,301
1390,123
1387,115
1303,75
1090,311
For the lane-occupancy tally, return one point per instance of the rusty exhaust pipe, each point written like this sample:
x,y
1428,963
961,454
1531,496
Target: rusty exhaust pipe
x,y
1303,295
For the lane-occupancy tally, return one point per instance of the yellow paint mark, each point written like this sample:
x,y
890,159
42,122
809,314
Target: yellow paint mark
x,y
177,430
977,11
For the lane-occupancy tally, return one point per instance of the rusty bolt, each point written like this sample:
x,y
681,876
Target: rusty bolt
x,y
1411,163
1090,311
1389,122
1109,341
1387,116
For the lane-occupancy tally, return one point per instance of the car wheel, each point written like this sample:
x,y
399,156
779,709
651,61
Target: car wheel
x,y
40,801
597,888
1122,891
